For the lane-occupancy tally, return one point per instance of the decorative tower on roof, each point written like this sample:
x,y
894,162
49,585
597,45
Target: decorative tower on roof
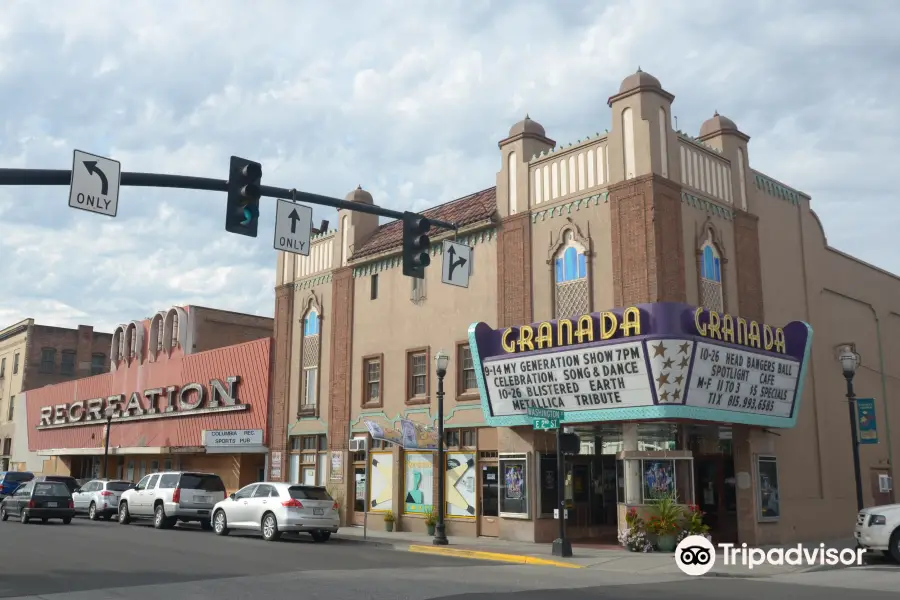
x,y
641,141
723,134
355,227
526,138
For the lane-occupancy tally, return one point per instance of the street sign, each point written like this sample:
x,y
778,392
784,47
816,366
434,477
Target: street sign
x,y
544,413
542,424
293,227
457,264
95,183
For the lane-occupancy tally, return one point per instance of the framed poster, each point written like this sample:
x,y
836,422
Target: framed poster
x,y
768,501
657,480
460,485
418,482
514,500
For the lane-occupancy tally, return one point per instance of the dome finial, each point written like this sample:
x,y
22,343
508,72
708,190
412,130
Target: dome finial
x,y
359,187
527,118
639,69
716,113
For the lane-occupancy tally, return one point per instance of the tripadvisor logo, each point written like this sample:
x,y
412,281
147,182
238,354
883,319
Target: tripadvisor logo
x,y
696,555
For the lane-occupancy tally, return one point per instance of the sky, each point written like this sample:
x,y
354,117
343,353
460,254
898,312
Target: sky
x,y
407,99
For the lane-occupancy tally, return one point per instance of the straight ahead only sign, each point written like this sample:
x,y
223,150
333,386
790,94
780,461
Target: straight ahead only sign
x,y
293,227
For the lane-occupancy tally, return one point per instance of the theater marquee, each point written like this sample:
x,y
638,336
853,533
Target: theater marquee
x,y
648,361
155,403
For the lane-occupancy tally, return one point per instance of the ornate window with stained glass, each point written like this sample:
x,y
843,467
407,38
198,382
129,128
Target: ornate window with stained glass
x,y
571,279
711,289
310,370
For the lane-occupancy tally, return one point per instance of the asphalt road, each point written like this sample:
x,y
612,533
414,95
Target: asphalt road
x,y
99,561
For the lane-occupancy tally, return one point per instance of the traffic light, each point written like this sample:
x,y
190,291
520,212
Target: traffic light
x,y
416,245
242,210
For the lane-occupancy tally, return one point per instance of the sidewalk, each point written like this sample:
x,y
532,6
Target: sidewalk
x,y
604,558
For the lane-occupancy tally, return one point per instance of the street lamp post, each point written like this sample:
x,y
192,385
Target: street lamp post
x,y
441,362
849,363
109,415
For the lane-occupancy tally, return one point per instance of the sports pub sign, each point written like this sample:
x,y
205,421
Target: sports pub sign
x,y
648,361
155,403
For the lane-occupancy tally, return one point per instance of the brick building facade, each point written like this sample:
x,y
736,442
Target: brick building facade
x,y
641,215
34,355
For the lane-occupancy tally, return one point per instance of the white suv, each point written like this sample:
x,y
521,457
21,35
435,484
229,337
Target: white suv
x,y
878,528
173,496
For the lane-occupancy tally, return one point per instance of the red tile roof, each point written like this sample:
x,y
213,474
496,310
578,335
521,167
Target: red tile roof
x,y
467,210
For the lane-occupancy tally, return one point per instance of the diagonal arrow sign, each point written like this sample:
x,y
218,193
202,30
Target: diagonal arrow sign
x,y
93,169
454,262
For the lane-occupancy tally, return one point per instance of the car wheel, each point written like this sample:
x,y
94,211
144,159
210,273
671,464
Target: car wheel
x,y
895,545
220,523
270,531
124,517
92,512
67,520
23,518
159,517
3,515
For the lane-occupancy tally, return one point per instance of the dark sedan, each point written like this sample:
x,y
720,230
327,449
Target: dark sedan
x,y
42,500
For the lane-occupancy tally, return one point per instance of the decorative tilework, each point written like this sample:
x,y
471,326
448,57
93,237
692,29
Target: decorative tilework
x,y
773,188
670,361
568,207
707,206
311,282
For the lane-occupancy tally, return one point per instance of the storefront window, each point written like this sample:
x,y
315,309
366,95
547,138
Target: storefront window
x,y
514,485
308,459
381,475
418,478
657,437
460,484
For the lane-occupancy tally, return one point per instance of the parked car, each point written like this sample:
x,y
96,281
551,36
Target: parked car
x,y
172,497
10,480
99,498
273,508
878,529
42,500
69,482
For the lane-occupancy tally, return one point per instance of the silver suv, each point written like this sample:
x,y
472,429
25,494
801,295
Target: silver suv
x,y
172,496
99,498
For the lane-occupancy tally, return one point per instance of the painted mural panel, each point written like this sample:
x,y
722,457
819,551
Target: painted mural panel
x,y
381,474
460,485
418,480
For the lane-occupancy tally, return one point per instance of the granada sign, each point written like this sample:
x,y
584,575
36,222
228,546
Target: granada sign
x,y
649,361
154,403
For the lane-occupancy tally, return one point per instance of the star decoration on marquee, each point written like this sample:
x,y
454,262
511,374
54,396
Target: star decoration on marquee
x,y
669,362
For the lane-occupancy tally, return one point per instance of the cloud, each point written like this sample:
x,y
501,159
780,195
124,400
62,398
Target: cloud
x,y
407,99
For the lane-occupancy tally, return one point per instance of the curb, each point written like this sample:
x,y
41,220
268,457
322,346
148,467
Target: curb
x,y
478,555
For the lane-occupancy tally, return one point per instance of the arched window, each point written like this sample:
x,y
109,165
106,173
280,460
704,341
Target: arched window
x,y
175,325
571,279
311,324
711,289
309,393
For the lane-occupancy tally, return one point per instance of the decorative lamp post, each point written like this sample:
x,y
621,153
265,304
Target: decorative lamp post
x,y
110,410
849,360
441,362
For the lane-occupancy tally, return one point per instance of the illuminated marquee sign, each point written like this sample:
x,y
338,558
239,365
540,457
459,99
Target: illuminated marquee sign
x,y
154,403
662,360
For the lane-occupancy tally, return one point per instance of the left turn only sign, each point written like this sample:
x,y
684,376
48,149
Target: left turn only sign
x,y
95,183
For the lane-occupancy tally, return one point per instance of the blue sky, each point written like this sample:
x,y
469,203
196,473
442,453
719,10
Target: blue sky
x,y
408,99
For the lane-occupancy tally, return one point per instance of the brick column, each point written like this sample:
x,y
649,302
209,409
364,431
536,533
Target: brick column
x,y
84,351
747,441
747,266
280,379
514,278
647,241
341,359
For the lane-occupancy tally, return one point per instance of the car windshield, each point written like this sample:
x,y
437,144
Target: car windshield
x,y
206,483
118,486
50,488
308,493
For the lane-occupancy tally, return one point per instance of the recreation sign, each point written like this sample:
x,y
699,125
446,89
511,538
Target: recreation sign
x,y
648,361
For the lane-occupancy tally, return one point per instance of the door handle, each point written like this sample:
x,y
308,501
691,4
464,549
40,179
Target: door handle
x,y
245,502
265,501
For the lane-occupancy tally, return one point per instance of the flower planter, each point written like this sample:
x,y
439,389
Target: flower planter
x,y
388,525
430,529
666,542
